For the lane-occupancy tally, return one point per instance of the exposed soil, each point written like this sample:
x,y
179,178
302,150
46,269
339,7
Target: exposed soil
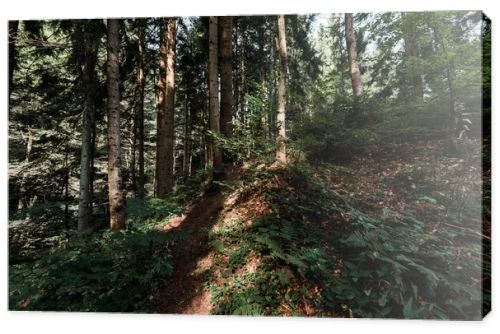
x,y
184,291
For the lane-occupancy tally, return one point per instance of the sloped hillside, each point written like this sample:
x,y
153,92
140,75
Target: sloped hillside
x,y
371,238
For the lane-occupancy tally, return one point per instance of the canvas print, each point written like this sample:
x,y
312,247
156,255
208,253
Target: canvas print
x,y
322,165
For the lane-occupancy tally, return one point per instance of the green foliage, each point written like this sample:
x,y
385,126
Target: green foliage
x,y
338,145
396,268
36,228
246,143
247,295
325,137
363,265
41,212
190,188
101,271
292,258
112,272
151,209
344,254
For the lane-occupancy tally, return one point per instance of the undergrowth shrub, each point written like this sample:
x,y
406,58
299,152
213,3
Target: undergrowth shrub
x,y
395,268
324,137
33,229
191,187
292,260
100,271
377,129
245,145
341,261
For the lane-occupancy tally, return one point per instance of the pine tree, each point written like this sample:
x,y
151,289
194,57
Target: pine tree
x,y
409,27
281,150
117,211
165,132
88,62
214,115
352,54
141,44
226,75
13,28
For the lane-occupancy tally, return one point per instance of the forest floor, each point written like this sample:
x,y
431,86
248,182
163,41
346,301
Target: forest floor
x,y
411,179
401,234
184,292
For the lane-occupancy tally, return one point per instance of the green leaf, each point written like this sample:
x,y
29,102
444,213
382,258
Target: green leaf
x,y
408,309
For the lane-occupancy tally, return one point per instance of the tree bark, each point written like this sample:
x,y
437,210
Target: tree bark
x,y
242,83
352,57
452,115
186,161
206,157
116,197
262,83
133,155
92,160
226,75
13,28
214,116
25,196
160,114
165,133
170,100
272,93
411,53
140,108
280,140
66,187
86,171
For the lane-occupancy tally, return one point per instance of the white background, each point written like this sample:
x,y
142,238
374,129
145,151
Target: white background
x,y
50,322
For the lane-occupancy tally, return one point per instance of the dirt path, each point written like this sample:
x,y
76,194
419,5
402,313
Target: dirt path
x,y
184,291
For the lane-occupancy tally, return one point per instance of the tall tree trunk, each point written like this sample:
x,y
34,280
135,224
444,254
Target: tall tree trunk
x,y
140,108
450,71
262,82
236,92
92,160
272,93
280,140
226,75
161,137
188,118
165,133
86,160
133,154
242,83
186,161
66,187
411,53
214,116
452,115
170,100
159,90
25,196
352,57
84,209
116,197
13,28
206,160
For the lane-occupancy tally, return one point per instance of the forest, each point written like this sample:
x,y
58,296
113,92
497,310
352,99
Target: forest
x,y
282,165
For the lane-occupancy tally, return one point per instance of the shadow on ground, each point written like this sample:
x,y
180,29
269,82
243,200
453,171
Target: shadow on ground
x,y
184,291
